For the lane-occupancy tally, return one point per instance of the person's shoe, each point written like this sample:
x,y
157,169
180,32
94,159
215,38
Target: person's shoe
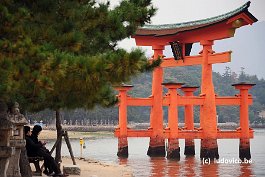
x,y
48,174
60,175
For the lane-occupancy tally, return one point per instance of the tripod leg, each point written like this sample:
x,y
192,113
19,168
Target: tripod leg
x,y
66,138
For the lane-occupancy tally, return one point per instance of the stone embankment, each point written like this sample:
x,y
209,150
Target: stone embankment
x,y
111,128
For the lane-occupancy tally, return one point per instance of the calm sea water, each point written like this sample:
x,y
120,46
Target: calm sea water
x,y
105,149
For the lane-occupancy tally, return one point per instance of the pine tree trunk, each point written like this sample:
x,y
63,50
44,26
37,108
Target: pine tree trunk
x,y
25,169
59,129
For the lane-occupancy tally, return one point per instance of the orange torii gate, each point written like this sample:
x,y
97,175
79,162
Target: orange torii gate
x,y
181,37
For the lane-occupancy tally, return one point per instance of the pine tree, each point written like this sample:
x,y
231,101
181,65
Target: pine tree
x,y
242,76
63,53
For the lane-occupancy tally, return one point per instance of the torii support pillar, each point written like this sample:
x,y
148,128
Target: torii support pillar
x,y
173,141
244,145
189,120
157,141
209,147
122,139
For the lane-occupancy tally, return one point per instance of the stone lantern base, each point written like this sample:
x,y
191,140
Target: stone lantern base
x,y
5,153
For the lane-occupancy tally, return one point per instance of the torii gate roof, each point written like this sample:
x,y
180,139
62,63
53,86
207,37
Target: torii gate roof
x,y
219,27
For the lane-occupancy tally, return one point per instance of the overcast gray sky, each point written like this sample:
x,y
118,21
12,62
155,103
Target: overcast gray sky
x,y
176,11
172,11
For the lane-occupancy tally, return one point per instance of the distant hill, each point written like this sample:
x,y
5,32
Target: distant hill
x,y
188,75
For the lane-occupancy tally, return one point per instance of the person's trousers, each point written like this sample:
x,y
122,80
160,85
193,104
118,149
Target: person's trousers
x,y
49,161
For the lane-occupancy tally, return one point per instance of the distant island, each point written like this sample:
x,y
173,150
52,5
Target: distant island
x,y
188,75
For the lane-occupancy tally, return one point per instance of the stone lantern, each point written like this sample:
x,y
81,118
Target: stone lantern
x,y
16,140
5,132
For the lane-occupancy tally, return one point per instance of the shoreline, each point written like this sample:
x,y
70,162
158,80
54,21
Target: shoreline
x,y
94,168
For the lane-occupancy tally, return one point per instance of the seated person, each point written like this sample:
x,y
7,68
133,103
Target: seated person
x,y
32,153
36,148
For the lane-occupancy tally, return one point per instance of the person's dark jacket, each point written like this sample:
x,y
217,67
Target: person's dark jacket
x,y
35,139
31,146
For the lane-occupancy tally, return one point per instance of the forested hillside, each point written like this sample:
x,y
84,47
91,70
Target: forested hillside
x,y
188,75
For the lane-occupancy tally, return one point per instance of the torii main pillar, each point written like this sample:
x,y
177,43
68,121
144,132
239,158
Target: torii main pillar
x,y
157,141
209,147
